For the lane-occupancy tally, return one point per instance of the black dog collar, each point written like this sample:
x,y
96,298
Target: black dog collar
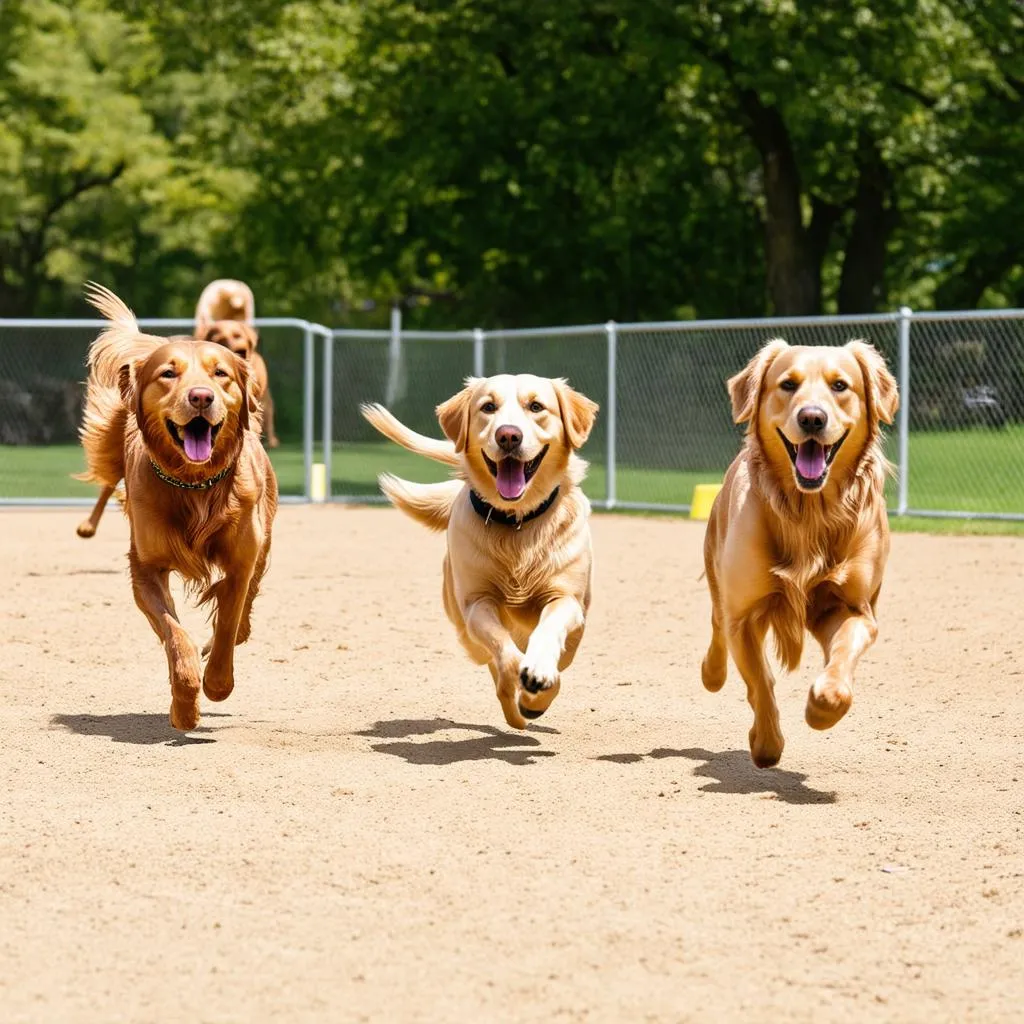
x,y
202,485
489,514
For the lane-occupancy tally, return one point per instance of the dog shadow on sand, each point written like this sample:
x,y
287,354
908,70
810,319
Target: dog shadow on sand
x,y
485,744
731,771
141,729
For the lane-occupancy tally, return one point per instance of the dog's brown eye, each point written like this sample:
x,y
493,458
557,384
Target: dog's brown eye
x,y
536,407
220,372
168,375
788,385
839,385
488,407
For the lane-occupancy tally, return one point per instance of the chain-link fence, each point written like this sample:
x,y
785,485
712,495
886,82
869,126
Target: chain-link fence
x,y
965,414
664,426
42,369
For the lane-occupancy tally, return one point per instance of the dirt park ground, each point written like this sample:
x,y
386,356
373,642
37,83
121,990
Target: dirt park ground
x,y
355,834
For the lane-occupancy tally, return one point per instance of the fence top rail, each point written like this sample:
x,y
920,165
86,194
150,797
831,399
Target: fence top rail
x,y
438,335
970,314
361,334
381,334
766,323
60,322
539,332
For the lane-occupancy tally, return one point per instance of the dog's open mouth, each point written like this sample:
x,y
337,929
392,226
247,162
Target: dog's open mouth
x,y
811,460
196,438
512,475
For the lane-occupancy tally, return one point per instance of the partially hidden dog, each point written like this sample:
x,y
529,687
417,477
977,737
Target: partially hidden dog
x,y
171,417
225,299
518,567
798,536
242,339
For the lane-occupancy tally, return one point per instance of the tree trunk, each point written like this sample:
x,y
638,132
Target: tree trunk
x,y
794,268
874,217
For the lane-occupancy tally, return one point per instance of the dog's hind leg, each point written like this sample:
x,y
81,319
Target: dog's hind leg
x,y
746,644
87,527
268,420
715,666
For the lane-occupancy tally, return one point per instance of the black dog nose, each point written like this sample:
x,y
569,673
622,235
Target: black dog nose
x,y
508,438
200,398
812,418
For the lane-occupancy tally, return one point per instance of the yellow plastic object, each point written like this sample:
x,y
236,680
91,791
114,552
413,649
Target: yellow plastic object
x,y
318,483
703,498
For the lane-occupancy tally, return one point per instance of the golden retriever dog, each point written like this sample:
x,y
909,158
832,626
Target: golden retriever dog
x,y
798,536
242,339
172,419
517,573
225,299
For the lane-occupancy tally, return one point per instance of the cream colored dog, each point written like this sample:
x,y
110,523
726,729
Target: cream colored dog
x,y
224,299
517,574
798,537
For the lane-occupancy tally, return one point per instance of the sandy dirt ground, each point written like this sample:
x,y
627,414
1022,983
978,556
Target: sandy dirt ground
x,y
355,834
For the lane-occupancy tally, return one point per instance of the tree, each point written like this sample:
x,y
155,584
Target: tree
x,y
90,186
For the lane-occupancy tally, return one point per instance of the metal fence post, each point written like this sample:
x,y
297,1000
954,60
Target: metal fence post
x,y
906,313
328,411
308,375
394,387
612,333
478,352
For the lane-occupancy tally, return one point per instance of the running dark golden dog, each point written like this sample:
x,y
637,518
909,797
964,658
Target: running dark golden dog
x,y
172,419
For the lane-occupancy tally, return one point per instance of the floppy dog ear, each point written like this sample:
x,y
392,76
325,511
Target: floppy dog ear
x,y
879,384
204,328
128,385
577,411
127,382
745,387
250,403
453,415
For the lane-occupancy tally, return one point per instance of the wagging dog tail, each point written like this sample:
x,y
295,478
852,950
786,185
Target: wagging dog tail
x,y
119,342
394,430
110,306
429,504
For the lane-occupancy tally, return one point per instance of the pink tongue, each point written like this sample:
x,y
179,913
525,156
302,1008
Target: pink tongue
x,y
511,479
198,441
810,460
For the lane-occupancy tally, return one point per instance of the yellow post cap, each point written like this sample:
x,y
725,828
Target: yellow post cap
x,y
318,482
703,498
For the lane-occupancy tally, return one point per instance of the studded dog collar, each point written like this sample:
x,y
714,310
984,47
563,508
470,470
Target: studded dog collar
x,y
201,485
489,514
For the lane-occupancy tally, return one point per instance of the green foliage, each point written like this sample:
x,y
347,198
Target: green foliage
x,y
512,162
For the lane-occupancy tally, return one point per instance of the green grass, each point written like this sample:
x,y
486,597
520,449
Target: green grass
x,y
971,470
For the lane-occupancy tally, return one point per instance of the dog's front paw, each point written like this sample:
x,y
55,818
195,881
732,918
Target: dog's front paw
x,y
185,713
533,705
829,699
766,746
538,673
86,529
